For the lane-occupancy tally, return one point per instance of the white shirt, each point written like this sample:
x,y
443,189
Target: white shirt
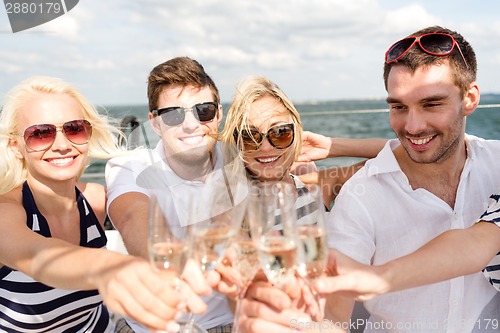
x,y
147,172
378,217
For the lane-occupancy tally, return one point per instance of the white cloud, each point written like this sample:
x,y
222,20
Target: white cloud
x,y
407,19
66,27
13,61
336,46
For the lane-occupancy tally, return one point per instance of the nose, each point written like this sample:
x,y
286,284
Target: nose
x,y
415,122
190,122
61,142
266,145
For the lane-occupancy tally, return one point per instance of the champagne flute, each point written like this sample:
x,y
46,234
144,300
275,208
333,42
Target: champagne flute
x,y
313,251
213,227
246,263
167,251
272,219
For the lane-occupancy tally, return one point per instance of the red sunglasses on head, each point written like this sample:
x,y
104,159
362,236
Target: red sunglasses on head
x,y
435,43
42,136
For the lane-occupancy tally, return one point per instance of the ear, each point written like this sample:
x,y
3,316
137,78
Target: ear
x,y
154,123
471,99
15,149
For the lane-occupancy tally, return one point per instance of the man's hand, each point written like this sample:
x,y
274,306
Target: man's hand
x,y
349,278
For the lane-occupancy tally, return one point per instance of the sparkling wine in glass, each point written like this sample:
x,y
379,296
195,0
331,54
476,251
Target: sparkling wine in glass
x,y
167,252
272,218
312,233
313,252
214,225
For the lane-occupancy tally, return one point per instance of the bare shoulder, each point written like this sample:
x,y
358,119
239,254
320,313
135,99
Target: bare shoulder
x,y
11,206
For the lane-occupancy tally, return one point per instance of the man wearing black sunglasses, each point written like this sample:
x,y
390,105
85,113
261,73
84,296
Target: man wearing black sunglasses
x,y
185,112
433,178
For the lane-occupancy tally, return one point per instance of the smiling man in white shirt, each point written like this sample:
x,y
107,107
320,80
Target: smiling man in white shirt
x,y
432,179
185,113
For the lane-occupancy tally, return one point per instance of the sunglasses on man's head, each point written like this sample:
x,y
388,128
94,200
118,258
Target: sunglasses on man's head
x,y
279,136
435,43
41,137
175,115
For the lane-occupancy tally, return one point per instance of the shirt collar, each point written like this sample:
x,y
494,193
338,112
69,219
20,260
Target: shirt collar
x,y
385,161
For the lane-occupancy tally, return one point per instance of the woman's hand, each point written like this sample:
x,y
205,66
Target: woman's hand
x,y
132,288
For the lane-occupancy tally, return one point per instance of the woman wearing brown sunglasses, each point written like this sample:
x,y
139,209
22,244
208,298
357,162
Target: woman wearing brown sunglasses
x,y
54,271
266,128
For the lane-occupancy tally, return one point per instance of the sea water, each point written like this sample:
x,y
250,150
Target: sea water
x,y
346,118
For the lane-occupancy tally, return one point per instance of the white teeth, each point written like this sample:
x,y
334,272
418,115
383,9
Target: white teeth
x,y
61,161
420,141
267,160
192,140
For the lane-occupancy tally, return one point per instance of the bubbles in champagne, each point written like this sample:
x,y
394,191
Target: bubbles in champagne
x,y
210,244
277,255
169,256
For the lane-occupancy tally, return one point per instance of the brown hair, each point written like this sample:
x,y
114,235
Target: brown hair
x,y
181,71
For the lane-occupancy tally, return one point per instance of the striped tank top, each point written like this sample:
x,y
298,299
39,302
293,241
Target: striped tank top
x,y
29,306
492,214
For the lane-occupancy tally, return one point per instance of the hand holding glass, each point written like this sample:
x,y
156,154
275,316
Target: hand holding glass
x,y
167,251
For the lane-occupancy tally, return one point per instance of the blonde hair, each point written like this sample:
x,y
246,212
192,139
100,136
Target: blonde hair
x,y
102,144
248,91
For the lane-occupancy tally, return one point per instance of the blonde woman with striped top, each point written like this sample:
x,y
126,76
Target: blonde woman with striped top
x,y
55,275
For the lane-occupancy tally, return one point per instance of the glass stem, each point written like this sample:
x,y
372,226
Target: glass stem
x,y
315,294
241,294
189,323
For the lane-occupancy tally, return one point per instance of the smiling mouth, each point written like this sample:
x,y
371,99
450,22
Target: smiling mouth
x,y
267,159
61,161
421,141
192,140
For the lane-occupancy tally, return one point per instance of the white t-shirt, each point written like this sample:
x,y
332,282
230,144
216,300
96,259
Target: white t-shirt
x,y
378,217
147,172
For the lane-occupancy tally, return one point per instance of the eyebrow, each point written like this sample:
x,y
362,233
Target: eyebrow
x,y
391,100
434,98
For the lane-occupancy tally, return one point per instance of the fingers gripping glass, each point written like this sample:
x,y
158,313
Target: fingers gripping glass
x,y
280,136
175,115
437,44
41,137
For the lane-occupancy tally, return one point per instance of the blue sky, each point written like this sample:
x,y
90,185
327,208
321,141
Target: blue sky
x,y
313,49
